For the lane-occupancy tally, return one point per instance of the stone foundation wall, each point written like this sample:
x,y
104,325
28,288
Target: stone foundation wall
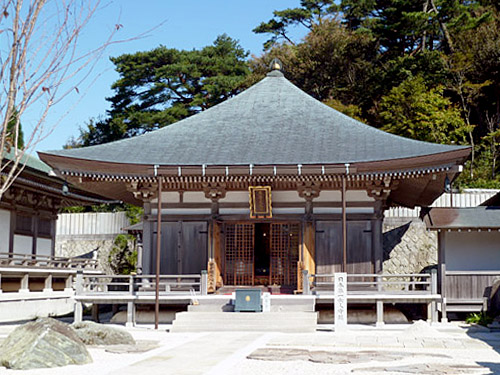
x,y
408,246
72,246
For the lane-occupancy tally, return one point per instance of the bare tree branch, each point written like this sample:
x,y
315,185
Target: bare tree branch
x,y
39,67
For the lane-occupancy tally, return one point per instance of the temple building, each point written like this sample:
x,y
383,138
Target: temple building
x,y
29,208
263,186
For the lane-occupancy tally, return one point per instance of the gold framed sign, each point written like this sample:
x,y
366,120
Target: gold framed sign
x,y
260,202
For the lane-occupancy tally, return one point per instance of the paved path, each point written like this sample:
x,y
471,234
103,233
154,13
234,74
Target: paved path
x,y
198,356
417,349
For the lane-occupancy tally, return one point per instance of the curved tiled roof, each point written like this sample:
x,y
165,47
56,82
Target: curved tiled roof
x,y
271,123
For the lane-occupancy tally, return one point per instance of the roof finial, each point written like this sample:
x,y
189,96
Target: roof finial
x,y
275,68
276,64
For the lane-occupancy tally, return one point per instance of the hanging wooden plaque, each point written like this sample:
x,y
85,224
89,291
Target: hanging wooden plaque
x,y
260,202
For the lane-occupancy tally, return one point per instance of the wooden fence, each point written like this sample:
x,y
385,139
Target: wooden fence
x,y
467,198
469,286
91,223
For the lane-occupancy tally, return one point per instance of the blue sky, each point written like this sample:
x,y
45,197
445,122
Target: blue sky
x,y
187,24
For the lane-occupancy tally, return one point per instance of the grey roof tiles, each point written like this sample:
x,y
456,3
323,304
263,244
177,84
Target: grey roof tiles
x,y
271,123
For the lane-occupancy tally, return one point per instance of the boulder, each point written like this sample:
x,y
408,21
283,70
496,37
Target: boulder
x,y
99,334
44,343
494,298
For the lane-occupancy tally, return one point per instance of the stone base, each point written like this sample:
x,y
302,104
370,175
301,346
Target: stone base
x,y
365,316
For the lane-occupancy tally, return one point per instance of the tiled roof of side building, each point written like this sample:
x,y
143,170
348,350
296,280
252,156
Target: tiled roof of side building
x,y
30,161
271,123
481,217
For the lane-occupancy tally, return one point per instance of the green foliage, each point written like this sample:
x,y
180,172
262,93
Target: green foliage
x,y
331,63
350,110
123,256
133,213
414,111
429,70
481,318
159,87
73,209
310,14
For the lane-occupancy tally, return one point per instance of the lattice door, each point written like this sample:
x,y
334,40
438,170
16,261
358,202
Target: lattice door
x,y
284,253
239,258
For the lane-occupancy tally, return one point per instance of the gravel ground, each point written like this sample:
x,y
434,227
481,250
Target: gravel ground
x,y
421,349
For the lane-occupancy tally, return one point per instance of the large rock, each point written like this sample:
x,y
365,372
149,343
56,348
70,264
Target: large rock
x,y
43,343
99,334
494,298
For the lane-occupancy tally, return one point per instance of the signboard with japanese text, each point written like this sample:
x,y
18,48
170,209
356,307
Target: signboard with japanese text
x,y
340,304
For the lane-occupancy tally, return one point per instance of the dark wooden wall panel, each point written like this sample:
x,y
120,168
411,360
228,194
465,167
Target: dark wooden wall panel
x,y
184,247
359,247
329,247
194,247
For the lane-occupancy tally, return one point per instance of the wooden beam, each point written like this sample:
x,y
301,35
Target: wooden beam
x,y
208,205
158,254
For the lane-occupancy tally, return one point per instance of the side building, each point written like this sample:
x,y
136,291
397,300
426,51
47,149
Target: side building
x,y
29,208
34,282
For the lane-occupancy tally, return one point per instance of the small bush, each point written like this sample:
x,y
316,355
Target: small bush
x,y
123,256
479,318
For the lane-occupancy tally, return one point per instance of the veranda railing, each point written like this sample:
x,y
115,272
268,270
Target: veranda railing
x,y
140,284
407,283
46,261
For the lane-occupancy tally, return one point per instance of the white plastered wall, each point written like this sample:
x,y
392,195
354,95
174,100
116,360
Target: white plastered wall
x,y
472,251
43,246
23,244
277,197
4,231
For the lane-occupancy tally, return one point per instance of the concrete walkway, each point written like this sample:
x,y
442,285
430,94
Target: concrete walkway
x,y
393,349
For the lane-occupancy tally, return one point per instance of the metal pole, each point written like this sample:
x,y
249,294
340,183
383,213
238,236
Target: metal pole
x,y
344,227
158,254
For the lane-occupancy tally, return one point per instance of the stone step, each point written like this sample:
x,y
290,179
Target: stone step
x,y
244,316
280,329
266,322
278,304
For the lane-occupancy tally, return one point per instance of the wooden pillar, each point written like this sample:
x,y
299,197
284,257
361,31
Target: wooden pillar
x,y
95,312
158,256
377,237
68,283
308,248
218,253
78,310
380,313
130,304
13,215
204,283
25,283
442,274
147,239
34,229
53,233
344,226
48,284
